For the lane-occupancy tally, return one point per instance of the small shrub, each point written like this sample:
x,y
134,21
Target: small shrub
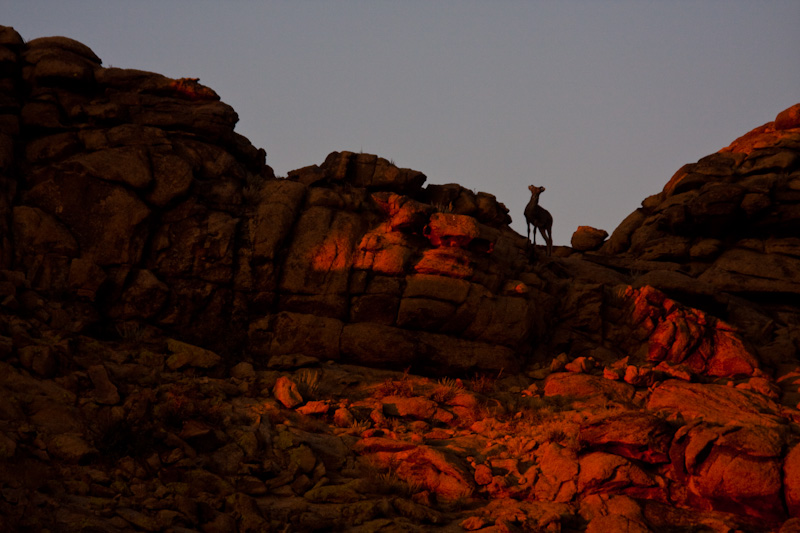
x,y
130,331
482,384
253,185
391,483
308,383
394,387
555,435
445,390
444,208
358,427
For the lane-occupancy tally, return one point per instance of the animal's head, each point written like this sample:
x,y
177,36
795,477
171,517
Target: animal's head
x,y
535,190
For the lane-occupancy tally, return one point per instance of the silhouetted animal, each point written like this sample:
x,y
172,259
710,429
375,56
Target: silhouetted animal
x,y
539,217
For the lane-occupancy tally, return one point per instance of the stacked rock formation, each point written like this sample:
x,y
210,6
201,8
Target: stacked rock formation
x,y
188,343
137,203
375,276
724,234
128,187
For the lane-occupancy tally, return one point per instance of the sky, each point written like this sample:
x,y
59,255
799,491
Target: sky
x,y
599,101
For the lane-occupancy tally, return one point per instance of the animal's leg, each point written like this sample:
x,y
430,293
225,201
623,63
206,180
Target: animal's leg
x,y
548,240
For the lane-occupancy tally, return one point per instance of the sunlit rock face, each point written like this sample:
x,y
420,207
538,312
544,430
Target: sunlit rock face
x,y
726,229
399,281
189,343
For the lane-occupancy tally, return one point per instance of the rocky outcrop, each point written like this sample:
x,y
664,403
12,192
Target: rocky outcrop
x,y
370,273
189,343
127,188
135,202
723,232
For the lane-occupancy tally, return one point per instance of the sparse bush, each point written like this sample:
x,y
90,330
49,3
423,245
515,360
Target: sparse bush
x,y
308,383
445,390
443,208
253,185
130,331
534,410
555,435
358,427
390,483
396,387
482,383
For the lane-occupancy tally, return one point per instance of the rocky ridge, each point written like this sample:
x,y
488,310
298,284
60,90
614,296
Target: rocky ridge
x,y
192,344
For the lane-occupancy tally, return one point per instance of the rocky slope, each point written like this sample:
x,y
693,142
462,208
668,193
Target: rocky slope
x,y
189,343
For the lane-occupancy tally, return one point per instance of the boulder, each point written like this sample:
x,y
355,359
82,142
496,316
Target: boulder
x,y
275,215
105,392
107,220
715,404
587,238
639,436
587,387
558,480
320,255
747,271
602,472
731,470
791,480
184,354
423,466
680,335
449,230
361,170
70,447
196,243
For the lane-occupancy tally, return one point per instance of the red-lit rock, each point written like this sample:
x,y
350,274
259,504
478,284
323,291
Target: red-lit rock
x,y
634,435
613,512
609,473
423,466
716,404
451,231
285,391
450,262
731,469
791,481
414,407
588,238
682,335
558,479
587,387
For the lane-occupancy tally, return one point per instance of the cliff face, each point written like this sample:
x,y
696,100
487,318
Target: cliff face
x,y
724,234
188,341
132,199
